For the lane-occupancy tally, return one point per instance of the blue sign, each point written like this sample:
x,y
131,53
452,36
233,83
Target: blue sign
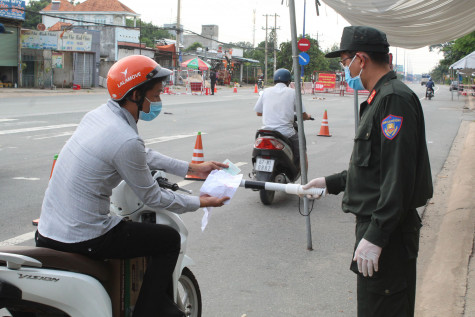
x,y
304,59
13,9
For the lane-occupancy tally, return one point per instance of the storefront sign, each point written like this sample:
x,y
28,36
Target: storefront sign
x,y
13,9
57,60
76,42
39,40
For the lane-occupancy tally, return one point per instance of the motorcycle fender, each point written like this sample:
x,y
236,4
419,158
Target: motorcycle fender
x,y
263,176
76,294
186,262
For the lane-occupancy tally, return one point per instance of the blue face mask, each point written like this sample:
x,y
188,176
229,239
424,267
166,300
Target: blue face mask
x,y
355,82
155,108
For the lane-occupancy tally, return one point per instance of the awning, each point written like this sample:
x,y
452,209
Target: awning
x,y
411,23
466,64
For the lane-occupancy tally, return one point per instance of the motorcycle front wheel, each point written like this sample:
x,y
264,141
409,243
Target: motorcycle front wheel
x,y
189,294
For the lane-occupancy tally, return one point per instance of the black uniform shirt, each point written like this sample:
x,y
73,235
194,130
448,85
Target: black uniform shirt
x,y
389,171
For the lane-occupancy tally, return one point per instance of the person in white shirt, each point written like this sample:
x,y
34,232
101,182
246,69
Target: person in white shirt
x,y
277,107
104,150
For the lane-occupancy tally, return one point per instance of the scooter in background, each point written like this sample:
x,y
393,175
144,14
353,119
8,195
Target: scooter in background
x,y
273,161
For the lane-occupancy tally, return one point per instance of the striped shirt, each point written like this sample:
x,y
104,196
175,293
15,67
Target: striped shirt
x,y
104,150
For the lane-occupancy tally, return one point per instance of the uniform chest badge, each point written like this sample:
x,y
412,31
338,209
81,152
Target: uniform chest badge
x,y
390,126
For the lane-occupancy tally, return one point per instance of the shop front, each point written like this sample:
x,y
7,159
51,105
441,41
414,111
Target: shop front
x,y
12,15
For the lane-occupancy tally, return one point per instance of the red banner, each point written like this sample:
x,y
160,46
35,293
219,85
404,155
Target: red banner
x,y
328,80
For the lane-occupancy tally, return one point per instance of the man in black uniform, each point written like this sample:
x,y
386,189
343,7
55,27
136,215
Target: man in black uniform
x,y
388,177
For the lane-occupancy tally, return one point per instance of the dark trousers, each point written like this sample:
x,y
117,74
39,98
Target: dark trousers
x,y
391,292
129,240
213,84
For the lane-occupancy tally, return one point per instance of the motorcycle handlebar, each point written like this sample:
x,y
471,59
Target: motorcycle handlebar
x,y
164,183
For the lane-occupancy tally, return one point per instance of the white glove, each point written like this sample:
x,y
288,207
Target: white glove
x,y
317,183
367,256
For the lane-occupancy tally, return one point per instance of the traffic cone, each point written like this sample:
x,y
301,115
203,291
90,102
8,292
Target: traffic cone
x,y
198,157
235,88
255,88
324,131
52,167
206,91
215,89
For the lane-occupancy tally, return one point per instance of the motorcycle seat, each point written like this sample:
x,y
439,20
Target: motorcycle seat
x,y
72,262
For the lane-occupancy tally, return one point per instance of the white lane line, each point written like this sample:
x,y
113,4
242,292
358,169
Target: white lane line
x,y
47,127
27,178
169,138
19,239
53,135
6,120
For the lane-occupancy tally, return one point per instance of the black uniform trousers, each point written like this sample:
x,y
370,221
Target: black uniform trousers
x,y
391,292
160,243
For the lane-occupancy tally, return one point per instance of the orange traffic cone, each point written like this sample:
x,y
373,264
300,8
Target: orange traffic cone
x,y
255,88
198,157
52,167
235,88
215,89
324,131
206,91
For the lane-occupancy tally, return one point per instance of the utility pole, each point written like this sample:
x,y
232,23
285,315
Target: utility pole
x,y
275,41
265,54
177,42
254,28
275,44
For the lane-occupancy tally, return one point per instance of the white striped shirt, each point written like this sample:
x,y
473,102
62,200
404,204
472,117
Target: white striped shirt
x,y
104,149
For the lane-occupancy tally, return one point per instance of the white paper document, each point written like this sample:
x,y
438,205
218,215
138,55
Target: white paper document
x,y
218,184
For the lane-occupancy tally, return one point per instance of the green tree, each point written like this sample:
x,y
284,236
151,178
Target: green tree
x,y
32,15
193,47
453,51
149,33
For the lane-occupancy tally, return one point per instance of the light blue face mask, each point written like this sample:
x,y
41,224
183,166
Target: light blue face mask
x,y
155,108
355,82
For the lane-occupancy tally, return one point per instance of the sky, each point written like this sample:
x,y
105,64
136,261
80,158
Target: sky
x,y
236,23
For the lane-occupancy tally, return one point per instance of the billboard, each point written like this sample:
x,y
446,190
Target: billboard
x,y
12,9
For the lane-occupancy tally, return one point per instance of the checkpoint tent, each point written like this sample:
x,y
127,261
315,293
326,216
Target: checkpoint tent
x,y
411,23
465,65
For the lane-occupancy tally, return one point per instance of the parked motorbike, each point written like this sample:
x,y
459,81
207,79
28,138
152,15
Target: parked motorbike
x,y
273,161
429,93
39,282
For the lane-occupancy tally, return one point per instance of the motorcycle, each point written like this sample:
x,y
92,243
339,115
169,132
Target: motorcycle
x,y
273,161
40,282
429,93
260,83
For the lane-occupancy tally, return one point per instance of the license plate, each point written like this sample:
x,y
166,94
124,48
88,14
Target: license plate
x,y
264,165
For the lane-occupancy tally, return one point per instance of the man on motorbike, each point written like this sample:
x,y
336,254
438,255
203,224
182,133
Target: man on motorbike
x,y
277,107
430,87
105,149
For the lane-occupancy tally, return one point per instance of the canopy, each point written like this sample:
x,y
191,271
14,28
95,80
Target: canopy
x,y
466,64
411,23
196,63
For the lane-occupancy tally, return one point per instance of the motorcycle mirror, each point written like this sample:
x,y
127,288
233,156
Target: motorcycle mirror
x,y
261,92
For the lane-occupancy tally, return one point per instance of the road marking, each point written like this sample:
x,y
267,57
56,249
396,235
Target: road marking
x,y
53,135
27,178
170,138
17,240
6,120
47,127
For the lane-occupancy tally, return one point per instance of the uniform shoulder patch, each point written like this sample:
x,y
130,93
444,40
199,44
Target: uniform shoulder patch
x,y
391,125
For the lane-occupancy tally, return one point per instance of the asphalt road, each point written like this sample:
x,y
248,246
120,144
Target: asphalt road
x,y
251,259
